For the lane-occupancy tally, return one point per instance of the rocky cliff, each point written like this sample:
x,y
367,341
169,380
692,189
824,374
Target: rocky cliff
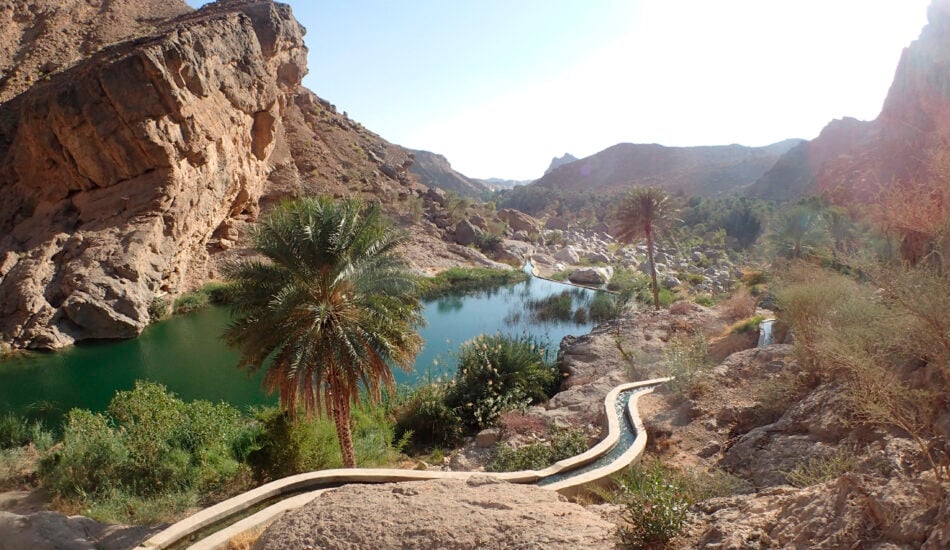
x,y
39,38
131,174
706,171
904,149
434,170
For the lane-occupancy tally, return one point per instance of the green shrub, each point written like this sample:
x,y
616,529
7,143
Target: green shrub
x,y
16,431
560,275
149,445
279,446
746,325
655,503
500,373
191,301
219,293
704,300
537,456
427,420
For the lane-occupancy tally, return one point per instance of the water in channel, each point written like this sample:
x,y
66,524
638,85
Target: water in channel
x,y
186,353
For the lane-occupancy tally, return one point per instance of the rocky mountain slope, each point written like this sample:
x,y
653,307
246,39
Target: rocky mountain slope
x,y
132,174
904,148
39,38
706,171
434,170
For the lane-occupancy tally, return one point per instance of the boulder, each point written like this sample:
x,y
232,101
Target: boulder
x,y
669,281
598,257
466,233
479,512
519,221
567,255
591,275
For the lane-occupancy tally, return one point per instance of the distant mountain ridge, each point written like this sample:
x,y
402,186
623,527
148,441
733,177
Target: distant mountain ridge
x,y
706,170
434,170
499,183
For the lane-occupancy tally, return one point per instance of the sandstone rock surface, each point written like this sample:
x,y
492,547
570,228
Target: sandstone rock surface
x,y
54,531
449,514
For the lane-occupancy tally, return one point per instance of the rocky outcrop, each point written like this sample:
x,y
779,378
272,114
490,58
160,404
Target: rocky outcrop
x,y
556,162
116,173
853,509
591,275
476,513
54,531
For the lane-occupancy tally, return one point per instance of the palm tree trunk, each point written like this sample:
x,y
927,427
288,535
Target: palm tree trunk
x,y
656,289
341,417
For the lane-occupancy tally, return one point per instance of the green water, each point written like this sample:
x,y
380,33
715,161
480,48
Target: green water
x,y
186,354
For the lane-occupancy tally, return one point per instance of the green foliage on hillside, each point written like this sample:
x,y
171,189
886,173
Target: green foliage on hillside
x,y
537,456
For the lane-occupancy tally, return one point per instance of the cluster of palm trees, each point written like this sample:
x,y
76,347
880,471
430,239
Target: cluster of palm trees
x,y
330,307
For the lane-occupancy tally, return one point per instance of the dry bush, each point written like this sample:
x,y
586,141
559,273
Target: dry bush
x,y
738,306
682,307
886,343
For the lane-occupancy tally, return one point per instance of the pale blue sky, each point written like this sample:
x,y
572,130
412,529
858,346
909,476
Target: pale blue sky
x,y
501,86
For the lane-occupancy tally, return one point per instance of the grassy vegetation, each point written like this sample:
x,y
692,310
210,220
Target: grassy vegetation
x,y
685,358
460,279
822,468
536,456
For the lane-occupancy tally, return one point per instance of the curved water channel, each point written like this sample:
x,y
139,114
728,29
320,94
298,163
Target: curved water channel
x,y
186,353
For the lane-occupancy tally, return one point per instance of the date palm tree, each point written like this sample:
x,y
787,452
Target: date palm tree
x,y
641,213
328,311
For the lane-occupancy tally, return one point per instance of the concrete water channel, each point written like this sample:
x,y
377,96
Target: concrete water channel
x,y
622,446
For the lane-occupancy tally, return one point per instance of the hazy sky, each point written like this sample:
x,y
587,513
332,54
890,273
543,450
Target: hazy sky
x,y
501,86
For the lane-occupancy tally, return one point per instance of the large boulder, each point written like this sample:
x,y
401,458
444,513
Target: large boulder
x,y
480,512
591,275
519,221
466,233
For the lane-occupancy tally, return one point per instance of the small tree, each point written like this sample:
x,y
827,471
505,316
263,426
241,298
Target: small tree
x,y
329,311
642,213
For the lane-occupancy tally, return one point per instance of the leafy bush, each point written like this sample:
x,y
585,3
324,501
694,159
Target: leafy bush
x,y
500,373
427,420
654,504
746,325
278,446
149,445
537,456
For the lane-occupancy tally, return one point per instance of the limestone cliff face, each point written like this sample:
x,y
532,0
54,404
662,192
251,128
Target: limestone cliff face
x,y
906,150
116,173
